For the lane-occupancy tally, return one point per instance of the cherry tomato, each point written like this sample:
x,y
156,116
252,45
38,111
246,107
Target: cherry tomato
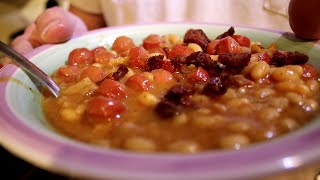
x,y
228,45
264,57
212,47
100,109
152,41
242,40
101,55
139,82
112,89
80,56
161,76
68,73
179,50
304,18
95,74
138,57
122,44
198,75
157,50
309,71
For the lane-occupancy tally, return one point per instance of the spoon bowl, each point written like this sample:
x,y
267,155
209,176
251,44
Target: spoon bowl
x,y
27,65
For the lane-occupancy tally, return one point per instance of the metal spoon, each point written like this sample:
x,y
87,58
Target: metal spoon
x,y
27,65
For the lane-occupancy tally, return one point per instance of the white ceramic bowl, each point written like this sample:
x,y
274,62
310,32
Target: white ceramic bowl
x,y
25,132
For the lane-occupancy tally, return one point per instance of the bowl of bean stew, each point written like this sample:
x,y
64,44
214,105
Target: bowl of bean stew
x,y
167,101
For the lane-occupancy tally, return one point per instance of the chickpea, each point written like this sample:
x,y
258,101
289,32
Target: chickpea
x,y
263,93
208,121
195,47
268,114
259,70
139,144
234,141
184,147
239,126
180,119
283,74
313,85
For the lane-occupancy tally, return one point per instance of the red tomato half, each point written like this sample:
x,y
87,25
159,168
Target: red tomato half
x,y
152,41
242,40
138,57
212,47
139,82
101,55
157,50
161,76
100,109
309,71
68,73
122,44
95,74
179,50
198,75
228,45
264,57
112,89
80,56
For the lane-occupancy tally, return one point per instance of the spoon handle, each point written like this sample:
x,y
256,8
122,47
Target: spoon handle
x,y
27,65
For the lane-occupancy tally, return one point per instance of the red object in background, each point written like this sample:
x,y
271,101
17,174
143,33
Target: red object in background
x,y
112,89
139,82
138,57
228,45
80,56
101,108
242,40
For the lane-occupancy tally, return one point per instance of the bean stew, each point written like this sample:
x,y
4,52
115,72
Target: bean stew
x,y
183,94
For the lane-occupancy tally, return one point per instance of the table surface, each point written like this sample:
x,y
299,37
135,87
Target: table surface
x,y
15,168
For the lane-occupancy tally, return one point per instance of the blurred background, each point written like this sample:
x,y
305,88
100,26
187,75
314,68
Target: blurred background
x,y
15,15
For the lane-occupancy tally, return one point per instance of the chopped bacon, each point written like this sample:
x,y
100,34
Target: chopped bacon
x,y
176,97
230,32
167,109
214,88
237,60
178,91
121,72
281,58
237,81
200,59
157,62
196,36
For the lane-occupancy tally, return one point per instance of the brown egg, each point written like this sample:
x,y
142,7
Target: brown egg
x,y
304,18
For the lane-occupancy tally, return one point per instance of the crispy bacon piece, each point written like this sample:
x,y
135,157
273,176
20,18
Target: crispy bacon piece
x,y
203,60
198,59
176,98
236,81
282,58
167,109
196,36
230,32
214,88
178,91
235,60
121,72
157,62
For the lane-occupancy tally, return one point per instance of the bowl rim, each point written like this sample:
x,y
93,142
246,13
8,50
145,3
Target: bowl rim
x,y
78,159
